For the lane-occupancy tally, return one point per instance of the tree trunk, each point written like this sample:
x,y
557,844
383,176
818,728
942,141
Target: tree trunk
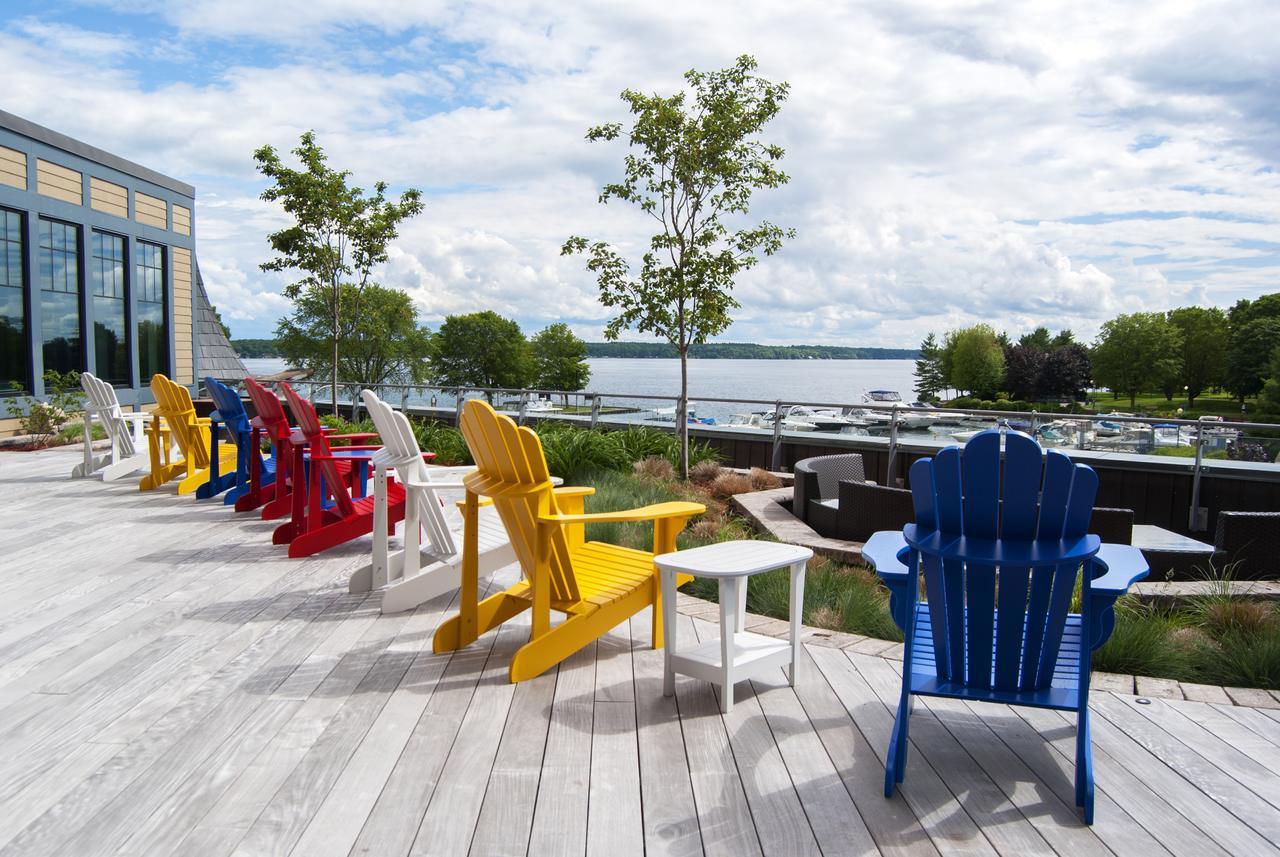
x,y
333,378
682,412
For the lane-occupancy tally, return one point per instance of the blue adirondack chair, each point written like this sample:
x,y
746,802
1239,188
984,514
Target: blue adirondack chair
x,y
1000,550
231,413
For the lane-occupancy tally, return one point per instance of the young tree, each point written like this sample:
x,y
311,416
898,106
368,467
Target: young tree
x,y
481,349
337,233
1249,355
692,167
1204,348
930,380
559,359
1136,352
381,344
975,360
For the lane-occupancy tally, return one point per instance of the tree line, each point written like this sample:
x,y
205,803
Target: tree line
x,y
1181,353
748,351
385,343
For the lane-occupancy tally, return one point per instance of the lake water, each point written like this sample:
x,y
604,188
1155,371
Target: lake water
x,y
835,381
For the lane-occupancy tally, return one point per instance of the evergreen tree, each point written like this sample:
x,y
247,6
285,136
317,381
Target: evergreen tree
x,y
930,379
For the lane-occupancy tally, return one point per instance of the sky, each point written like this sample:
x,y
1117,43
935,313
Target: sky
x,y
1015,163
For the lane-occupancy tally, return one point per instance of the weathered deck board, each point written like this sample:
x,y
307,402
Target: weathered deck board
x,y
190,690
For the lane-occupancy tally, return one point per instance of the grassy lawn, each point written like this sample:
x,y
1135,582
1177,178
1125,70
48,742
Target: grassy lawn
x,y
1155,404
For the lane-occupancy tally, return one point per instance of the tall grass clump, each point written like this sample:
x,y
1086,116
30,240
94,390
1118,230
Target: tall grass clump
x,y
1143,643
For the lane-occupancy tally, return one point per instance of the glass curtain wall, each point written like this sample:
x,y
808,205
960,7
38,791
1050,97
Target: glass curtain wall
x,y
14,369
60,296
153,333
110,315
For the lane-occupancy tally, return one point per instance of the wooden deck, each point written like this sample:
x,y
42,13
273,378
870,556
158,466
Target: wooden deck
x,y
172,684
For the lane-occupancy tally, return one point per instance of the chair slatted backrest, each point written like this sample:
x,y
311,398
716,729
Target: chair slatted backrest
x,y
175,405
512,470
1000,626
400,446
102,396
230,408
270,413
309,424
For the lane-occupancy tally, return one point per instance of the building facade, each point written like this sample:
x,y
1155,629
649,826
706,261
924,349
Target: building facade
x,y
97,267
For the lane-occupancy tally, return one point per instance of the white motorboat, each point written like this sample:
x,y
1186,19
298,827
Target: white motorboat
x,y
541,406
823,419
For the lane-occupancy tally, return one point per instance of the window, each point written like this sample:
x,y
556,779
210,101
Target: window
x,y
153,332
14,367
110,321
60,296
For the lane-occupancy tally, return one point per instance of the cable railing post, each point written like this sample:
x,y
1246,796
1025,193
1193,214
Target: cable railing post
x,y
775,460
524,407
892,470
595,410
404,400
1193,516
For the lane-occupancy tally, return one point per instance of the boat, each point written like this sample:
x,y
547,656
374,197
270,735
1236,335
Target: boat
x,y
541,406
823,419
908,419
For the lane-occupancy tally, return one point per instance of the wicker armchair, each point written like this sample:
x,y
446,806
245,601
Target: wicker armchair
x,y
818,479
866,508
1251,540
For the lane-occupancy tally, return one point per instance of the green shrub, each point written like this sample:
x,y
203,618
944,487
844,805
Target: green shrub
x,y
1141,644
1241,659
44,420
444,440
75,431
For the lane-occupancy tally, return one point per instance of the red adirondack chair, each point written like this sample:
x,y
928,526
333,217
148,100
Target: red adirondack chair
x,y
335,511
276,496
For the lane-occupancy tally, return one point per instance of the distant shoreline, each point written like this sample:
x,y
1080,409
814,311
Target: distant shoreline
x,y
264,349
748,351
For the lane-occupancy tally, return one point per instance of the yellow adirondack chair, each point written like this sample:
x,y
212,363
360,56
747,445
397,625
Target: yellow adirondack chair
x,y
175,416
596,585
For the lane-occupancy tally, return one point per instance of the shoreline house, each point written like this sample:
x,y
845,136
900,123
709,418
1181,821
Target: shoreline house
x,y
98,271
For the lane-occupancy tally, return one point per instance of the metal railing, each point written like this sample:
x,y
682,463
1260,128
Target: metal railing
x,y
590,408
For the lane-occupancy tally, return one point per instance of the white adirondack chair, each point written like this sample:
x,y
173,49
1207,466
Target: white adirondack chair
x,y
407,580
124,429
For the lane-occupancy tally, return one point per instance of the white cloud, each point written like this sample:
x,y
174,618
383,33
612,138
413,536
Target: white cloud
x,y
948,164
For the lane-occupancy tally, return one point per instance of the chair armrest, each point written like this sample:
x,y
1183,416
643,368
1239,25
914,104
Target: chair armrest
x,y
362,435
1123,566
414,482
573,491
658,511
886,552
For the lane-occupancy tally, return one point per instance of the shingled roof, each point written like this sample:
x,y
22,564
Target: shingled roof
x,y
214,354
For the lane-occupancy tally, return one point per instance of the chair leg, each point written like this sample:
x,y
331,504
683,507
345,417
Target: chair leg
x,y
895,767
1084,765
491,613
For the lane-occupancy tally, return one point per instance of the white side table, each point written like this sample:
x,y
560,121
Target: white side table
x,y
738,654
